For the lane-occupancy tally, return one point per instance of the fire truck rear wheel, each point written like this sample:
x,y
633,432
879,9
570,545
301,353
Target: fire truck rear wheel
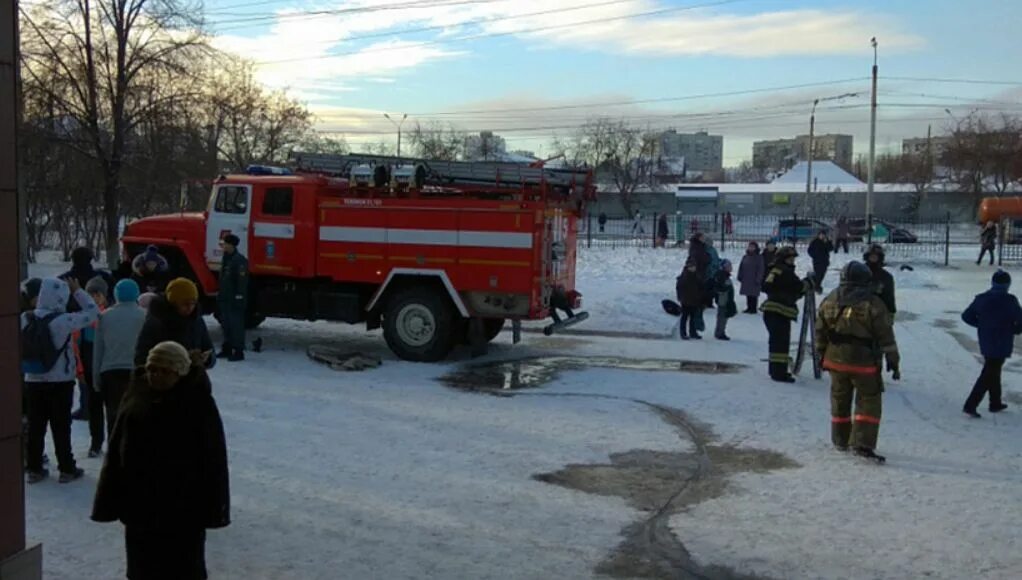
x,y
418,325
492,327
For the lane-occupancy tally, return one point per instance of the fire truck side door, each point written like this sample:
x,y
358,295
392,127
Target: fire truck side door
x,y
229,213
274,248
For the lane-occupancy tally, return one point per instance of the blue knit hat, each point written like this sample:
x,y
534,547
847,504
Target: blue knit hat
x,y
1001,278
126,291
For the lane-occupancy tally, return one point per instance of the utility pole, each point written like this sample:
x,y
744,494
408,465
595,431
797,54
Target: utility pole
x,y
871,167
809,155
398,125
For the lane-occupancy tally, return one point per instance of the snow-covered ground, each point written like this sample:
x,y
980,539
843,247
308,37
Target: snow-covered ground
x,y
391,474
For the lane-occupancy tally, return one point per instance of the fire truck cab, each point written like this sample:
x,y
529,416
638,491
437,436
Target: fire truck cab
x,y
435,253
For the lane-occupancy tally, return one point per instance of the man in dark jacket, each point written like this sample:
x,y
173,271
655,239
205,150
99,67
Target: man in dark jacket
x,y
820,250
783,289
883,281
699,254
769,257
998,317
232,299
83,271
176,317
841,232
166,475
690,289
988,242
602,220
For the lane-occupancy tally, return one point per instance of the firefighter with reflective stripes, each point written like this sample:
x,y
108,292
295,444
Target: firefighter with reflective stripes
x,y
783,289
854,331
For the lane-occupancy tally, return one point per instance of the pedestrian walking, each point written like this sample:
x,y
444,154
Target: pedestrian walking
x,y
662,231
176,317
853,330
602,220
729,223
49,366
690,290
841,234
751,272
783,289
232,299
166,476
997,316
724,291
819,250
988,242
114,356
637,224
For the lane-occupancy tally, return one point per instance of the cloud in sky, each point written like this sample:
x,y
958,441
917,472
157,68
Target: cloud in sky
x,y
296,49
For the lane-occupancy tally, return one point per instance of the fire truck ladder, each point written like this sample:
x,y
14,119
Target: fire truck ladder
x,y
420,172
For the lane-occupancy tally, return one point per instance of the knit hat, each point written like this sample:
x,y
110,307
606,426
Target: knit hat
x,y
725,265
97,286
126,291
1001,278
232,240
146,299
171,356
152,254
181,290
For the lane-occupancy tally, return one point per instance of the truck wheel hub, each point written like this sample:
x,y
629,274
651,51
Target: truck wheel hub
x,y
415,325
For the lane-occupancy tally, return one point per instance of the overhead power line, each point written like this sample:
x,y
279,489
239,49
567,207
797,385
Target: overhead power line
x,y
494,34
248,20
959,81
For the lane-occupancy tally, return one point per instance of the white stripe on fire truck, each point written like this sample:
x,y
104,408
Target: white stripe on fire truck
x,y
475,239
279,231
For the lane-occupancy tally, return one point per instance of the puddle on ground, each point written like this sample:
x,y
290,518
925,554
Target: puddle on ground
x,y
529,373
665,483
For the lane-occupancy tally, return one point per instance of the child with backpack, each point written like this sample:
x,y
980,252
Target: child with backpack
x,y
724,293
50,367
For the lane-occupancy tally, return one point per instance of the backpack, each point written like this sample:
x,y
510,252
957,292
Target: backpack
x,y
38,354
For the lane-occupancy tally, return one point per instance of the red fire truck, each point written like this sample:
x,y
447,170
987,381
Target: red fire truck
x,y
437,253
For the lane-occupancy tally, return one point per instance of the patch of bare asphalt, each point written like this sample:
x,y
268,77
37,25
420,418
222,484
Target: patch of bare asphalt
x,y
658,483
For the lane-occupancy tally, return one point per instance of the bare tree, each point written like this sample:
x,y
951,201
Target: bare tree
x,y
746,172
437,141
620,153
983,153
106,53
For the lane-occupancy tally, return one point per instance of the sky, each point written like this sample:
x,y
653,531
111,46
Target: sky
x,y
533,70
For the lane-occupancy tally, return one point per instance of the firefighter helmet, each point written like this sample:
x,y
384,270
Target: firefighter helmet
x,y
856,274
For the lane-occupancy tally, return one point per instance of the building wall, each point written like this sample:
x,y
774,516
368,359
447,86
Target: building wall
x,y
780,154
918,146
702,151
775,154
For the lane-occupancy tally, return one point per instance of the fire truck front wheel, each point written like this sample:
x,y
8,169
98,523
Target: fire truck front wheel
x,y
418,325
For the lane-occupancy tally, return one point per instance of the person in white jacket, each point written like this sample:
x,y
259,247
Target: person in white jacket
x,y
114,351
49,393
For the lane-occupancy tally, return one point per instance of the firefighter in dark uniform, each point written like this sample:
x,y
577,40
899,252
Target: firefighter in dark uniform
x,y
854,331
882,280
783,289
232,299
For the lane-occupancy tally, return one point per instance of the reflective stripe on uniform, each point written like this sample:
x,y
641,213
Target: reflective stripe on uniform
x,y
779,357
867,419
785,311
846,368
840,419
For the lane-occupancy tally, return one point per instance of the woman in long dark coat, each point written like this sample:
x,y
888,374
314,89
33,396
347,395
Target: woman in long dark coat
x,y
165,476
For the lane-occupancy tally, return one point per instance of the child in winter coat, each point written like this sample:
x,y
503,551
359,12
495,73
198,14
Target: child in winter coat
x,y
751,273
690,295
998,317
724,290
114,355
49,392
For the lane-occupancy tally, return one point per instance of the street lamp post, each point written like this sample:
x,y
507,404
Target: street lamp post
x,y
871,167
398,125
809,154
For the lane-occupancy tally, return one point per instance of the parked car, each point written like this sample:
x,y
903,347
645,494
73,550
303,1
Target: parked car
x,y
788,230
883,232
